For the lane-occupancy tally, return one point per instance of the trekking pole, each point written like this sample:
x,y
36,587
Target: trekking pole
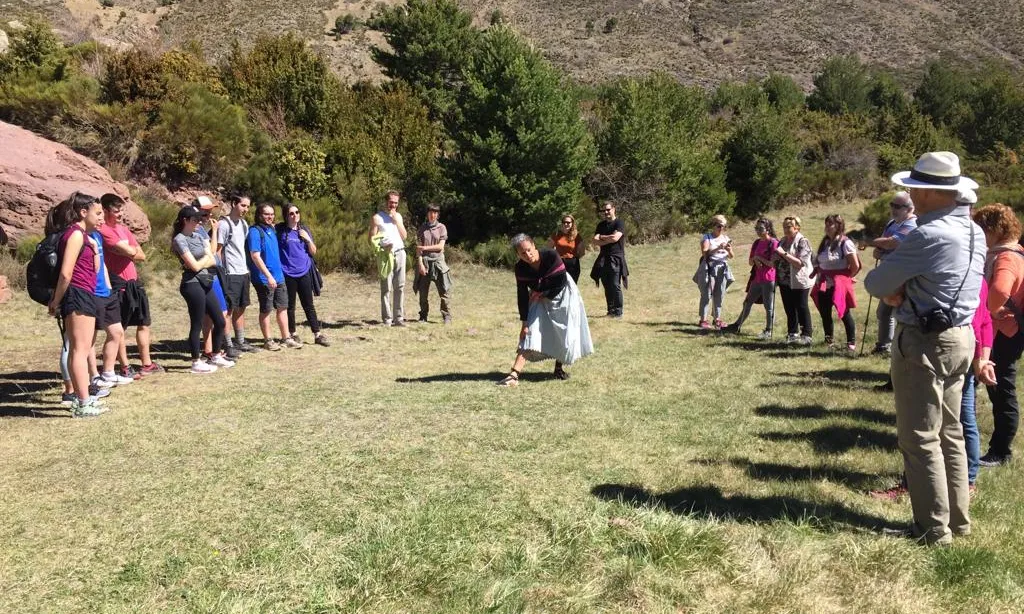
x,y
867,321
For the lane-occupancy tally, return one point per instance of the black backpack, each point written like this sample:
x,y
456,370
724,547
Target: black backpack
x,y
43,269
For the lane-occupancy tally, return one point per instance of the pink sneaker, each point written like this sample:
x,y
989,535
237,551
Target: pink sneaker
x,y
719,324
704,324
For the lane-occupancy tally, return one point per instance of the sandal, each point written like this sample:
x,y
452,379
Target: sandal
x,y
511,380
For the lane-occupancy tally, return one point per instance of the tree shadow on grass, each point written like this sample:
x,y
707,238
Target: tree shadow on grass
x,y
490,376
779,472
22,395
817,412
708,502
676,326
174,349
751,346
838,439
860,379
348,323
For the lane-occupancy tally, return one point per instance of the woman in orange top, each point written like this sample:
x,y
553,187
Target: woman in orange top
x,y
1004,270
569,245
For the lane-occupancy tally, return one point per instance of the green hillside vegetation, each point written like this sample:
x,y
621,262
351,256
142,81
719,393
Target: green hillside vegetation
x,y
478,120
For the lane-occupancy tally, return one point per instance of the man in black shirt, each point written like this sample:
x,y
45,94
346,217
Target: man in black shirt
x,y
610,267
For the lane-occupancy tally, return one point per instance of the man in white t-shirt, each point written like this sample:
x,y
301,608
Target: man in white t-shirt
x,y
233,255
391,226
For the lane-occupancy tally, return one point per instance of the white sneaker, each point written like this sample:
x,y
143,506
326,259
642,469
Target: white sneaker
x,y
805,341
791,339
116,380
202,367
220,360
99,382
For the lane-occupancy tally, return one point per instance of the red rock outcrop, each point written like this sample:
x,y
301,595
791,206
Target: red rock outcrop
x,y
36,173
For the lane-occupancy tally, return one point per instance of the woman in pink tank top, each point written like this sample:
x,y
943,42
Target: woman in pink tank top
x,y
74,298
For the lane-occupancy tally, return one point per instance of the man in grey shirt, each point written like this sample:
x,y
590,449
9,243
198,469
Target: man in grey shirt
x,y
933,278
233,256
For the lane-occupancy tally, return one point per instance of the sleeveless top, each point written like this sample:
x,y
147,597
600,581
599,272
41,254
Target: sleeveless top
x,y
83,276
390,230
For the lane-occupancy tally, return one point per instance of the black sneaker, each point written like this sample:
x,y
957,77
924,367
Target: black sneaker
x,y
994,460
247,347
232,352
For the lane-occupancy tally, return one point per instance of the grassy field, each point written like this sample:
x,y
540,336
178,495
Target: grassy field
x,y
675,471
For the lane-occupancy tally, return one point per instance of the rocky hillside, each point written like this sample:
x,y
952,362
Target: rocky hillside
x,y
701,41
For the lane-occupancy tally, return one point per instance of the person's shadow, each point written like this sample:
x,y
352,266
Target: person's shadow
x,y
490,376
708,502
22,395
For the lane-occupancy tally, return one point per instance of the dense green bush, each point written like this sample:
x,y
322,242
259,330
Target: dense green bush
x,y
204,138
760,163
298,163
783,92
654,158
520,147
282,81
841,87
431,43
876,215
33,49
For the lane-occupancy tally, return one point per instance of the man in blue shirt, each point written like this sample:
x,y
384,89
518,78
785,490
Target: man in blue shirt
x,y
902,222
268,277
934,280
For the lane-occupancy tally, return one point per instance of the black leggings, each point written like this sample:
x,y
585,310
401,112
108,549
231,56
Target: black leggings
x,y
825,305
794,301
303,286
202,302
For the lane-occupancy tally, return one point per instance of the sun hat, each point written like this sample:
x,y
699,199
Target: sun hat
x,y
203,202
966,196
935,170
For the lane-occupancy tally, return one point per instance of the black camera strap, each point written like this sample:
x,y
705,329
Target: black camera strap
x,y
956,297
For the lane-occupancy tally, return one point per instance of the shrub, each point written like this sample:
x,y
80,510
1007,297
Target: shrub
x,y
282,76
431,44
876,215
760,163
497,18
782,92
107,3
344,24
298,163
521,147
589,28
609,26
653,157
738,98
34,48
495,252
841,87
203,139
134,76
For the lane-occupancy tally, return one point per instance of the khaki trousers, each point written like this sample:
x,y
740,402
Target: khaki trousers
x,y
927,377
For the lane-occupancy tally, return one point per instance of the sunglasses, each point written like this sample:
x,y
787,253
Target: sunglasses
x,y
293,212
567,221
607,210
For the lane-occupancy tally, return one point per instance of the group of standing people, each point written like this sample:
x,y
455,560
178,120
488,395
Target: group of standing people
x,y
221,259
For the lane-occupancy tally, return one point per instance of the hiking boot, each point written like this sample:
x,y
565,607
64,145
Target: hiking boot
x,y
321,339
232,352
201,368
994,460
89,408
131,372
290,342
765,336
890,494
271,346
245,346
221,361
152,368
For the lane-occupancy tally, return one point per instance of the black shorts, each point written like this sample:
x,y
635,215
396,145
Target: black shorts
x,y
133,302
78,301
108,311
236,291
271,299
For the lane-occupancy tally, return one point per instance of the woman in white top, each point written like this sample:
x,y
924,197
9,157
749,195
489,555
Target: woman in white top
x,y
794,281
713,275
836,266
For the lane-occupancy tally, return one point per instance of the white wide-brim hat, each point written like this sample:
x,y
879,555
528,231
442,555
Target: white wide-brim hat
x,y
935,170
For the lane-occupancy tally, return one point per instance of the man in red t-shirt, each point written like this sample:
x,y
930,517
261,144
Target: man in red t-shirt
x,y
121,250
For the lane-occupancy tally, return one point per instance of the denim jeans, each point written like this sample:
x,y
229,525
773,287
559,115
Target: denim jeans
x,y
969,420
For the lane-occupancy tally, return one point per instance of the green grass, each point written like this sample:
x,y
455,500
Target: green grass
x,y
675,472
